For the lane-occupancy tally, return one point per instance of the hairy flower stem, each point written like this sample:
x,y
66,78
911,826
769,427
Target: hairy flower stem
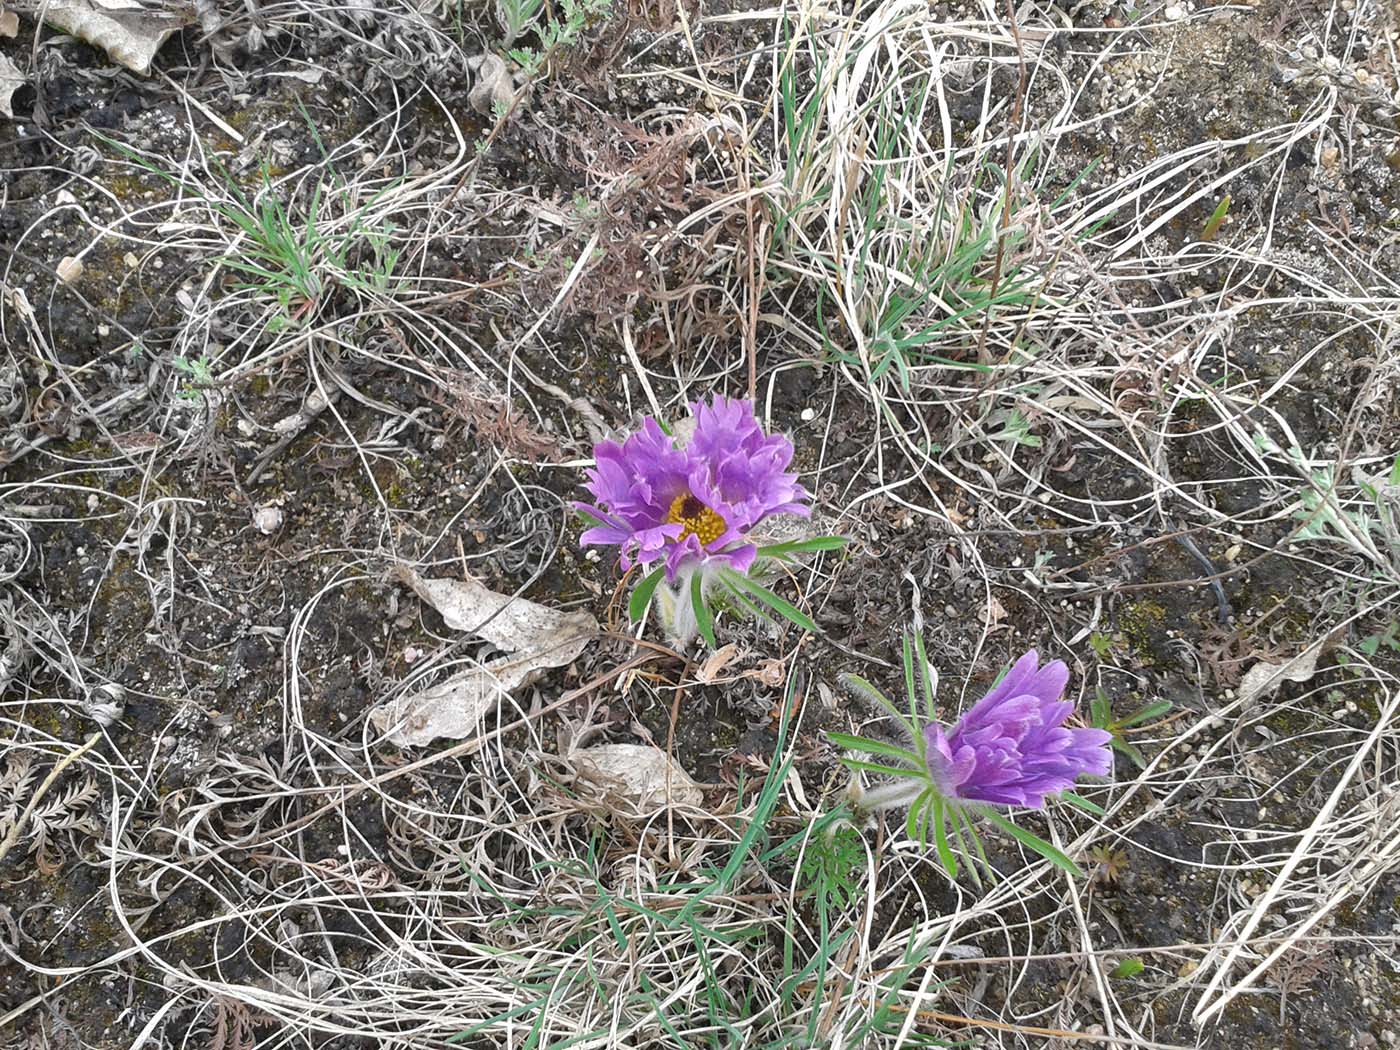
x,y
675,605
865,802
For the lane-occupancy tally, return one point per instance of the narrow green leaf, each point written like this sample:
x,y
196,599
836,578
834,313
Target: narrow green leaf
x,y
782,607
1083,803
1033,841
1099,711
1217,217
641,594
856,684
910,690
875,767
1146,714
1075,182
1133,754
815,543
874,747
946,856
961,824
749,607
703,619
914,828
925,677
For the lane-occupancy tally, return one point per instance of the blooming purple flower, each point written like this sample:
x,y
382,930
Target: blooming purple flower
x,y
1013,748
694,503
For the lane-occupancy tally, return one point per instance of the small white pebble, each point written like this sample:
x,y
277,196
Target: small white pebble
x,y
808,415
268,519
69,269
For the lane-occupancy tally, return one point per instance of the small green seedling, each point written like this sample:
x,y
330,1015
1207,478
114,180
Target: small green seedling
x,y
1127,969
1390,638
1101,715
1217,219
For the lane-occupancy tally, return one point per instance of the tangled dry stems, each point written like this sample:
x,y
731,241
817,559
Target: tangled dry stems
x,y
503,905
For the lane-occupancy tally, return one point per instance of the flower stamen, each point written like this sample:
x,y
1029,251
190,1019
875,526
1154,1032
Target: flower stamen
x,y
697,519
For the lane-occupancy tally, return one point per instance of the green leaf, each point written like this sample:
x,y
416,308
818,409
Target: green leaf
x,y
1128,968
1075,182
1146,714
641,595
915,828
815,543
1132,753
1083,803
1033,841
874,747
910,690
782,607
875,767
703,619
925,679
856,684
1217,217
962,823
946,856
1099,710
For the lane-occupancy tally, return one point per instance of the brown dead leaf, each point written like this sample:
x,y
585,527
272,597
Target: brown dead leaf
x,y
130,32
995,611
537,638
637,775
1264,677
715,663
505,621
11,80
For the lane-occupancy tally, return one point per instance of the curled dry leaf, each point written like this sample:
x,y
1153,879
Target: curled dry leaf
x,y
11,80
1264,677
715,664
503,620
9,24
537,638
131,33
495,85
636,775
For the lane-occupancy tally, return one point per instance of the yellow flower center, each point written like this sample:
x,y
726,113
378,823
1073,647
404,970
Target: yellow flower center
x,y
699,520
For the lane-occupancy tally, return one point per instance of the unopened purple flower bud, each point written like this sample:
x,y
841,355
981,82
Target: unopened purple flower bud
x,y
1013,748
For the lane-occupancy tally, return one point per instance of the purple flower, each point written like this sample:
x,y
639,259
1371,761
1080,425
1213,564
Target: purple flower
x,y
1013,748
695,503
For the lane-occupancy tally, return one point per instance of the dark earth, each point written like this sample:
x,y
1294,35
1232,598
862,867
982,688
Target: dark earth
x,y
197,556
